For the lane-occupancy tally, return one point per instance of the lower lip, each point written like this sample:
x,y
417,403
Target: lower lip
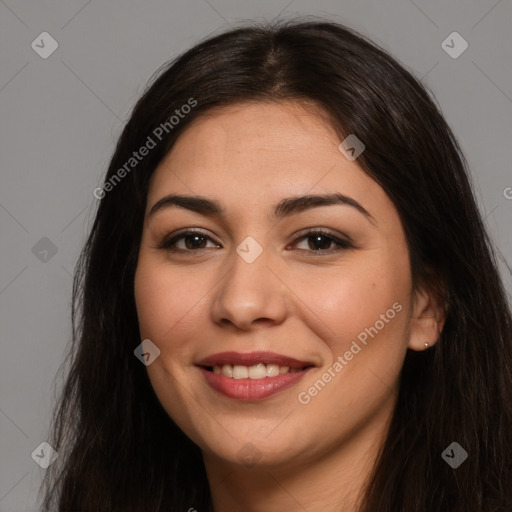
x,y
252,389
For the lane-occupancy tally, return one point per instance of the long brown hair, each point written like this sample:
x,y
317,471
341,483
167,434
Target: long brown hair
x,y
118,449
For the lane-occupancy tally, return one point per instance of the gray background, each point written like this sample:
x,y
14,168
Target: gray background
x,y
61,117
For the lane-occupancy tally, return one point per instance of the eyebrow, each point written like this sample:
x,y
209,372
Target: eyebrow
x,y
285,208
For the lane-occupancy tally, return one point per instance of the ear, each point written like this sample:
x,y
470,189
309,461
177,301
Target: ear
x,y
427,319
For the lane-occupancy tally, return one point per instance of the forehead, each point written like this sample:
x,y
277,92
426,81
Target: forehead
x,y
283,126
254,154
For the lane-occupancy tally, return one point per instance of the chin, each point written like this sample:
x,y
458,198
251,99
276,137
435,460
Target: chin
x,y
254,449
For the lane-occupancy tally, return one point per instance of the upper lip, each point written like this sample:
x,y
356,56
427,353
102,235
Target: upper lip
x,y
251,359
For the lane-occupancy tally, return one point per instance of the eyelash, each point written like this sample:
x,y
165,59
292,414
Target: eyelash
x,y
168,243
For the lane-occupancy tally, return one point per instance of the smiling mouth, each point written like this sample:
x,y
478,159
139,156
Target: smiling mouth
x,y
252,383
252,375
254,372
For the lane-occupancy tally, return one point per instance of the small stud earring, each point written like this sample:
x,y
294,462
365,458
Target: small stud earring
x,y
426,346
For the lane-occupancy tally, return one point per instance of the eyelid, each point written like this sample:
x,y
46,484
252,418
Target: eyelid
x,y
341,241
342,237
167,240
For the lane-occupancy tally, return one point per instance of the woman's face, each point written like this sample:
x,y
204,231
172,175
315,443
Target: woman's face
x,y
257,276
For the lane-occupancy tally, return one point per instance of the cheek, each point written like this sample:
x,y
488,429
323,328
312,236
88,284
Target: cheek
x,y
164,300
366,311
352,299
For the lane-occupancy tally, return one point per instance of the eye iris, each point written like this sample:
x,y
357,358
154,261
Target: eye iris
x,y
195,239
317,242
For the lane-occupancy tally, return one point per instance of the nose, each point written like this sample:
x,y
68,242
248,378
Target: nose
x,y
249,296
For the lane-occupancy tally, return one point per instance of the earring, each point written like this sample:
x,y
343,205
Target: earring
x,y
426,346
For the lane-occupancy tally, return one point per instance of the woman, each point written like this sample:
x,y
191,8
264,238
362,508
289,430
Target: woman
x,y
288,300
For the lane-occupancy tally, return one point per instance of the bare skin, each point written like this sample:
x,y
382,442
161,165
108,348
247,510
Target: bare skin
x,y
296,298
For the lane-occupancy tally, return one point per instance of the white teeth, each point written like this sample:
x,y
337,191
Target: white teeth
x,y
227,370
272,370
258,371
240,372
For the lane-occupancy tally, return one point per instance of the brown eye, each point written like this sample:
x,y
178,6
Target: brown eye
x,y
194,241
322,242
187,241
318,242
